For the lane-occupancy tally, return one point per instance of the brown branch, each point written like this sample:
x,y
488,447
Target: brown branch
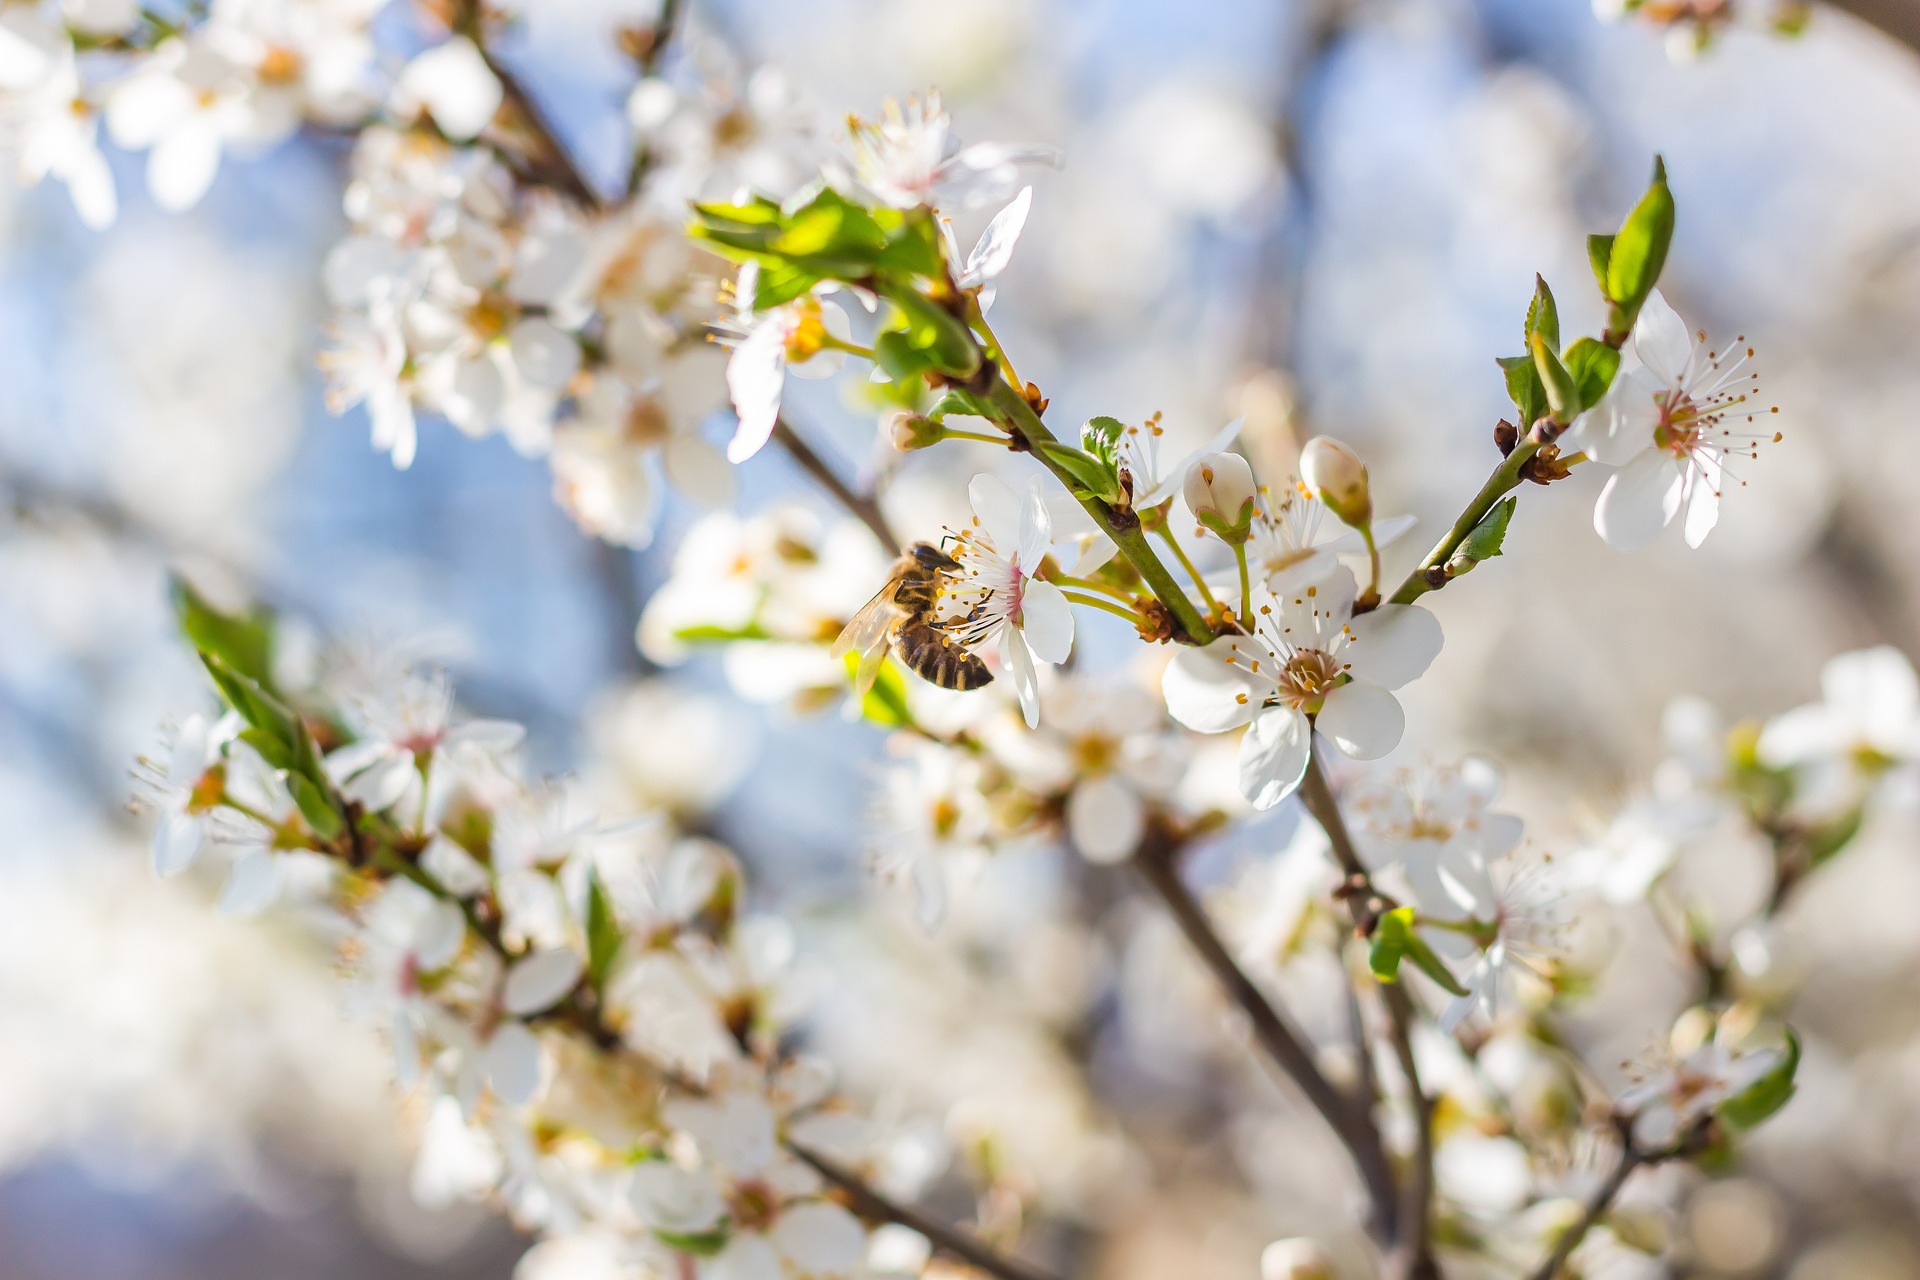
x,y
552,164
1596,1207
951,1241
1350,1118
1413,1246
1899,19
863,505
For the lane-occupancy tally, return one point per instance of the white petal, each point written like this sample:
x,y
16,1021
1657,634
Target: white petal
x,y
1046,619
1619,428
512,1063
1804,733
1388,529
990,257
381,786
1105,818
698,470
1273,756
181,165
1208,691
1703,499
998,510
755,377
176,842
543,353
90,186
1871,685
1036,526
669,1198
1019,664
1364,720
145,108
820,1238
746,1257
1098,551
540,980
453,82
1393,644
1662,341
252,885
437,937
1639,501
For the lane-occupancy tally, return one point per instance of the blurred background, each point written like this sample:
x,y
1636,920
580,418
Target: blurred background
x,y
1324,217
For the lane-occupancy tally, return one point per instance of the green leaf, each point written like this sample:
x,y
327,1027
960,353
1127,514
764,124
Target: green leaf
x,y
898,358
885,704
936,332
711,633
779,283
1766,1095
1101,438
276,753
1095,475
1640,248
1543,317
316,806
603,932
705,1244
1592,364
960,401
1394,940
1486,539
1563,397
1829,838
1524,388
757,212
1599,250
243,642
279,735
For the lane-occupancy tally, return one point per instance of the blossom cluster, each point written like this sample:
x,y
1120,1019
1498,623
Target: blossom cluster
x,y
596,1028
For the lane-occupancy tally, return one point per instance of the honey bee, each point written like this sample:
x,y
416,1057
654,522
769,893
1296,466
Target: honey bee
x,y
901,618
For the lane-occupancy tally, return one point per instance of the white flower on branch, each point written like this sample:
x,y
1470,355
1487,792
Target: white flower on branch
x,y
186,790
909,158
402,738
1866,722
995,602
1669,425
452,83
800,336
46,120
1292,546
1309,663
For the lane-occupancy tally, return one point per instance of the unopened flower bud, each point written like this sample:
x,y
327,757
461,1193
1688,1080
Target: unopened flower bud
x,y
1220,492
1296,1259
910,431
1338,478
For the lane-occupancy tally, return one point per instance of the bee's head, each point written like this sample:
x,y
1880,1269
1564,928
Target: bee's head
x,y
933,558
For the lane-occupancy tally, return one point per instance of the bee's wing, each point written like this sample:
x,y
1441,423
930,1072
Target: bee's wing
x,y
869,669
867,630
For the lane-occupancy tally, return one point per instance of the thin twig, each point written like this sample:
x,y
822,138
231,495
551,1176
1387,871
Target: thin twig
x,y
951,1241
859,504
1351,1119
555,165
1412,1253
1596,1207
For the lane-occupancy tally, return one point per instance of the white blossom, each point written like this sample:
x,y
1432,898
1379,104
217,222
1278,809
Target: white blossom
x,y
995,603
1309,663
1667,424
